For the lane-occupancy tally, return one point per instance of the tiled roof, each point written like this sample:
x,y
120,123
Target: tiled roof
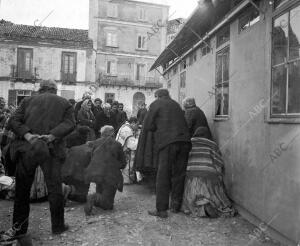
x,y
41,33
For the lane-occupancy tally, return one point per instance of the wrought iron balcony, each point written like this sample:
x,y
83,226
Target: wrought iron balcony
x,y
127,81
30,75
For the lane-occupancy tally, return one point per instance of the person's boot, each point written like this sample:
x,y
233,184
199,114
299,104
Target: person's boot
x,y
60,230
161,214
88,207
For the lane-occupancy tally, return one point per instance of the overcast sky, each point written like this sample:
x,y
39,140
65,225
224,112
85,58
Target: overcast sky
x,y
70,13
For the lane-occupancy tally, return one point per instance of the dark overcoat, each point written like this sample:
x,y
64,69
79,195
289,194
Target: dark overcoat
x,y
106,163
164,124
43,114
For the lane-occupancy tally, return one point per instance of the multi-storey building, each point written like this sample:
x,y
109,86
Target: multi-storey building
x,y
128,36
29,54
173,27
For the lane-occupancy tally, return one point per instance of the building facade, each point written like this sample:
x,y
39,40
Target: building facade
x,y
29,54
243,68
127,36
173,27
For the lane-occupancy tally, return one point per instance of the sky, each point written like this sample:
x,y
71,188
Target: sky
x,y
70,13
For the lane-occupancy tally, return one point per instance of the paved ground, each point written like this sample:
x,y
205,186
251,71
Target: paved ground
x,y
129,224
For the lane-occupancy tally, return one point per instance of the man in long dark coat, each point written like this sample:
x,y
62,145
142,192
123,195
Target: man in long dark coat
x,y
40,123
171,137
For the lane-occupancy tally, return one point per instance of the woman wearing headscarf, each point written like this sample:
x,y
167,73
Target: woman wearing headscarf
x,y
86,117
194,116
204,191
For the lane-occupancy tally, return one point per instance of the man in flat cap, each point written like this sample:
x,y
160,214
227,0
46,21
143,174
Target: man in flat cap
x,y
40,124
165,119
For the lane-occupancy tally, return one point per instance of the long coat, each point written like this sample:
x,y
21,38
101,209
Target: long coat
x,y
43,114
164,124
106,163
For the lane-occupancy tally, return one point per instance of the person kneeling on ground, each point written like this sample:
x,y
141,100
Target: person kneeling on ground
x,y
204,191
105,170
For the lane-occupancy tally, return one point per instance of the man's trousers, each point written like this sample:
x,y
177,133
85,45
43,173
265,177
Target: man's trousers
x,y
24,177
172,163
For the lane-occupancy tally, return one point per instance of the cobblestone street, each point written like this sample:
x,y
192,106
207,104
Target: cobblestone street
x,y
129,224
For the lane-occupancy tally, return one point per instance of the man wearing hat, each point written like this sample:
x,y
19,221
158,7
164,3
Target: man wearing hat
x,y
40,124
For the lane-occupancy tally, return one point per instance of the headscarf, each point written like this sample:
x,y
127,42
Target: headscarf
x,y
189,102
84,105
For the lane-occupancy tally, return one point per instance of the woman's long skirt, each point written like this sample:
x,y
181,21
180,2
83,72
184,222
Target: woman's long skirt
x,y
205,196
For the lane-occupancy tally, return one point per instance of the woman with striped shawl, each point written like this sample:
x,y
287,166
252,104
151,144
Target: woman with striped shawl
x,y
204,191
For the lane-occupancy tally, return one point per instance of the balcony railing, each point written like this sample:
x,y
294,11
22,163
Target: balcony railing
x,y
29,76
118,80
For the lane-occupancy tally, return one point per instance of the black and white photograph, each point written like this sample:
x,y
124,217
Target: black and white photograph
x,y
150,122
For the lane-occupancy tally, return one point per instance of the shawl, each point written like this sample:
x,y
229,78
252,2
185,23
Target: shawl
x,y
205,158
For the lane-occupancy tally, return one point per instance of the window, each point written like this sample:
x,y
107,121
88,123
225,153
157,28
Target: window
x,y
111,39
68,70
182,79
174,69
205,49
223,36
195,56
15,97
285,100
109,97
142,14
183,65
111,67
141,42
24,63
140,72
222,82
112,10
249,18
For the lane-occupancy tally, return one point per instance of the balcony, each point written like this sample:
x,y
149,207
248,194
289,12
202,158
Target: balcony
x,y
127,81
30,75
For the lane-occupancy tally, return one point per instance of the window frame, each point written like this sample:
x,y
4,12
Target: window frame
x,y
223,84
67,76
113,39
109,95
221,33
112,10
142,12
182,83
248,13
22,72
111,68
143,43
138,73
281,10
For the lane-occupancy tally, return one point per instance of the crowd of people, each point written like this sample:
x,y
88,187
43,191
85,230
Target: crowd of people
x,y
56,148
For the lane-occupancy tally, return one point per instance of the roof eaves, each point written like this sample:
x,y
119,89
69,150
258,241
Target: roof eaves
x,y
223,22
